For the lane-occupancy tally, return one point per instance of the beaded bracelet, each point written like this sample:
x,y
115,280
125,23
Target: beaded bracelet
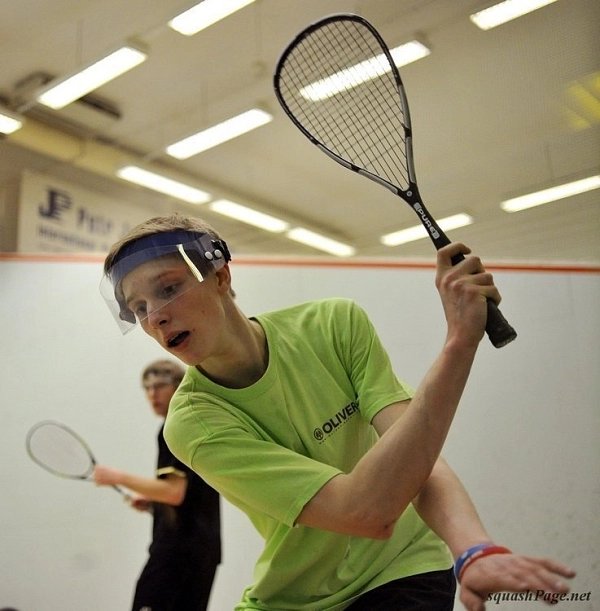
x,y
475,553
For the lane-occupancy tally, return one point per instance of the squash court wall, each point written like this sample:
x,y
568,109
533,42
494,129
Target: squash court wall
x,y
526,439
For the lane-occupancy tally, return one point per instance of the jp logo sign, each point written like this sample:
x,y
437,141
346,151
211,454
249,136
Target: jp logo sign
x,y
57,202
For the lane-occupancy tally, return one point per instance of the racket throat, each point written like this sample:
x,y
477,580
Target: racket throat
x,y
434,231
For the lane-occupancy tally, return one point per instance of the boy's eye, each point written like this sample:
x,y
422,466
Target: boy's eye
x,y
169,290
159,294
139,310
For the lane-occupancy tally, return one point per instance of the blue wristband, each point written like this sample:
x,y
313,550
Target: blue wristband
x,y
466,555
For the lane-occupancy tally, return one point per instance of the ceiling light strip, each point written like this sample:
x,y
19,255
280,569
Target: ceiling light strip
x,y
58,94
205,14
320,242
9,121
248,215
545,196
162,184
419,232
217,134
506,11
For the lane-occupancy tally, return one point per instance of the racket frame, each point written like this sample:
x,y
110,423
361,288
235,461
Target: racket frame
x,y
83,477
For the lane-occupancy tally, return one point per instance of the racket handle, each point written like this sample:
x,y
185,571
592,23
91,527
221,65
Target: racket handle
x,y
122,492
497,327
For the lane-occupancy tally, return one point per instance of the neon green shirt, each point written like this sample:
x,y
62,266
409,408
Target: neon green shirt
x,y
270,447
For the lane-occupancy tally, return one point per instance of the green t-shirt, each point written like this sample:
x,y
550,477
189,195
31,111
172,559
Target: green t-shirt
x,y
269,448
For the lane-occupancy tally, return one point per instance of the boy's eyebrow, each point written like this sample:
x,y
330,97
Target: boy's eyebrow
x,y
153,279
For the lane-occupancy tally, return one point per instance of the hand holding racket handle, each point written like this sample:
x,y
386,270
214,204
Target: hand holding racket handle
x,y
103,476
498,329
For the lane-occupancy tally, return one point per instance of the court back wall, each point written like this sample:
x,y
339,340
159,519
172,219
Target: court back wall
x,y
526,439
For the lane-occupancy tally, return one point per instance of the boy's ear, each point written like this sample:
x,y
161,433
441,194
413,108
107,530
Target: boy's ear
x,y
223,278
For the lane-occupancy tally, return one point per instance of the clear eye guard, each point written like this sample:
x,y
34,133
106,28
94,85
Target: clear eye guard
x,y
166,279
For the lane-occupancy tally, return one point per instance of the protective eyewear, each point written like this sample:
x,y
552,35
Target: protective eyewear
x,y
167,280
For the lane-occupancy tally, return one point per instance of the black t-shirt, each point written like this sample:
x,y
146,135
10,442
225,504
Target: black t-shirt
x,y
194,527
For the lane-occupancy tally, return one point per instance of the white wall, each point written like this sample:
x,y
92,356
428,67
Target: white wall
x,y
526,440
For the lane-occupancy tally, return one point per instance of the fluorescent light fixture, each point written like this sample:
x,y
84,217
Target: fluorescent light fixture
x,y
550,195
248,215
506,11
418,231
9,121
162,184
310,238
217,134
58,94
205,14
364,71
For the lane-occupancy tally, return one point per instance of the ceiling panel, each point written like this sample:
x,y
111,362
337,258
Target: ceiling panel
x,y
495,114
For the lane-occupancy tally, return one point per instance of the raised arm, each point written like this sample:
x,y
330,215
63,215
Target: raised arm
x,y
368,500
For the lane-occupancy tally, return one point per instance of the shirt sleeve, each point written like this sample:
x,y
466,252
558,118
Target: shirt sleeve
x,y
249,470
167,465
369,365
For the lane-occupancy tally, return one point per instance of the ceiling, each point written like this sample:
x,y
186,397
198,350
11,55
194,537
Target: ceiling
x,y
495,114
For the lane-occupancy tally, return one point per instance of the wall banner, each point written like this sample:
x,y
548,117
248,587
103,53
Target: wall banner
x,y
56,216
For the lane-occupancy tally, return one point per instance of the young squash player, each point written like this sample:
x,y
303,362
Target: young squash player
x,y
362,516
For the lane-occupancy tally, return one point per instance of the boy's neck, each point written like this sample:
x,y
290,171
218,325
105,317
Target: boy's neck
x,y
250,362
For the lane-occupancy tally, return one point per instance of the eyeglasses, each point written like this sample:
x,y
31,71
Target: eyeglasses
x,y
155,386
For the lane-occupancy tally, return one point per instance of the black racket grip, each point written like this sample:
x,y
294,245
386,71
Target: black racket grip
x,y
497,327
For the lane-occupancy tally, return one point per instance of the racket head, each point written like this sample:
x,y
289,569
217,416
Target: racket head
x,y
59,450
344,51
363,123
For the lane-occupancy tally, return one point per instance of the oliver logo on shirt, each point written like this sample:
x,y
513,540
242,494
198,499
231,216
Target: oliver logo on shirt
x,y
335,422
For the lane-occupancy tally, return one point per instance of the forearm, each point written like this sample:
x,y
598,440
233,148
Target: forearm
x,y
405,455
150,488
447,509
401,462
170,490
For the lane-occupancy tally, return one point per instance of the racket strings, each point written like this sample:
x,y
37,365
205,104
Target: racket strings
x,y
59,451
383,144
363,123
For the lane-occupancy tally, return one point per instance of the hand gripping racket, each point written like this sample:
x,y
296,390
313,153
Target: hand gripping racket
x,y
338,83
61,451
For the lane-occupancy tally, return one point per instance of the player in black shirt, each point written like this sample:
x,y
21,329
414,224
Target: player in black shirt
x,y
186,540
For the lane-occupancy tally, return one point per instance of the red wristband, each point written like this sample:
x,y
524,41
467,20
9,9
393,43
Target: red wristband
x,y
480,553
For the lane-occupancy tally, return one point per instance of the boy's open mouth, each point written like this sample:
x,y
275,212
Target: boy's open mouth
x,y
177,339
